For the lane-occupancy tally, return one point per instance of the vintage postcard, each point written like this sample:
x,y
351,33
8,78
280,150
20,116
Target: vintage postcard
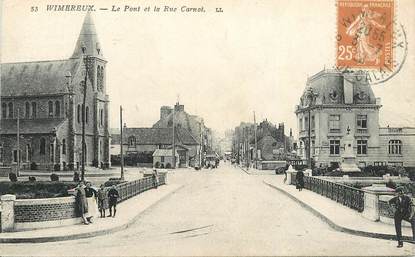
x,y
207,128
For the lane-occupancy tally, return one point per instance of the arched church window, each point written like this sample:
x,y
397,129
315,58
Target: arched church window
x,y
27,110
34,110
78,112
57,109
11,110
86,115
4,110
50,105
42,149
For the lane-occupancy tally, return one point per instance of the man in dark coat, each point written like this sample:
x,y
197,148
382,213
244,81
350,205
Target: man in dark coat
x,y
112,200
403,211
300,180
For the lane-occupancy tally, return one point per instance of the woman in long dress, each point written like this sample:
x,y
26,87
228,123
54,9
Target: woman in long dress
x,y
91,197
81,202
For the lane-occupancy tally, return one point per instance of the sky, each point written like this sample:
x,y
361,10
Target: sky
x,y
253,56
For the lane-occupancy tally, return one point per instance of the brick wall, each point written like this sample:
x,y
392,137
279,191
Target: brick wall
x,y
37,210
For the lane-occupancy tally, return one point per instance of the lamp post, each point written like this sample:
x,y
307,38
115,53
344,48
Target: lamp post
x,y
309,137
85,57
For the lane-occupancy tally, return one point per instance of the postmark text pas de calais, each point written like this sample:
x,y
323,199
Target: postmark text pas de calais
x,y
365,34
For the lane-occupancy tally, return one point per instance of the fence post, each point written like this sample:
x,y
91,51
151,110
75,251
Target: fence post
x,y
7,213
371,200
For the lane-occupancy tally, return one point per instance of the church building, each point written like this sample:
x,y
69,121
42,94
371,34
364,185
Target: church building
x,y
45,99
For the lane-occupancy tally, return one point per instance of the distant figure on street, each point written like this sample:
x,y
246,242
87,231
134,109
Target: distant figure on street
x,y
102,201
285,171
300,180
91,197
403,211
112,200
155,176
81,202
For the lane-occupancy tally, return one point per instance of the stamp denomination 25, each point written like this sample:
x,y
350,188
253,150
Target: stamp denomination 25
x,y
365,34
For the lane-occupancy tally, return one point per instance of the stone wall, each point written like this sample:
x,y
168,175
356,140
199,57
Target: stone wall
x,y
37,210
27,214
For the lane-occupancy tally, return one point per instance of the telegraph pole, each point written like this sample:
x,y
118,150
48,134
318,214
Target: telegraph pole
x,y
18,142
256,143
121,145
201,144
84,114
173,140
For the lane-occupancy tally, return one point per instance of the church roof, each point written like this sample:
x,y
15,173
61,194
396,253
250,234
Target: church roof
x,y
36,78
35,126
88,39
49,77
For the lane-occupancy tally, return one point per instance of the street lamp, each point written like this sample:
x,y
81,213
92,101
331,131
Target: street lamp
x,y
85,58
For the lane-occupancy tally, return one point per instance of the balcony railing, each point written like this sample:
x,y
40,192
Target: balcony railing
x,y
346,195
361,131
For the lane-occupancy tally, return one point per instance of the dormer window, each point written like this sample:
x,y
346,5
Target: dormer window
x,y
131,141
98,48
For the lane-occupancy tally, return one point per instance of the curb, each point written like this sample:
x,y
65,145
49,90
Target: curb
x,y
333,224
88,234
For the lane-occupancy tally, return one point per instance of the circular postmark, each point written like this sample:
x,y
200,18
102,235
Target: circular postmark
x,y
381,74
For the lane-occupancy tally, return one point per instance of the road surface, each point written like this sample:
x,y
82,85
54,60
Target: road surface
x,y
220,212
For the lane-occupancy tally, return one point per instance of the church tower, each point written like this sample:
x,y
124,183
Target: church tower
x,y
88,49
88,46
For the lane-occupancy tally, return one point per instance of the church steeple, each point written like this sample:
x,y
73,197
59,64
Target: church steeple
x,y
88,40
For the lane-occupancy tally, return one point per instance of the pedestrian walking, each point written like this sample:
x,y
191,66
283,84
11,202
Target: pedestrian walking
x,y
155,178
404,210
112,200
299,180
91,197
81,202
102,201
285,172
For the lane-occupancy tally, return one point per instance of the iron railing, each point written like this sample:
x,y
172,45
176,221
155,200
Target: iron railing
x,y
132,188
346,195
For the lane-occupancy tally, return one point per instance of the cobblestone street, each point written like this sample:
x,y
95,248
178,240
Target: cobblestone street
x,y
220,212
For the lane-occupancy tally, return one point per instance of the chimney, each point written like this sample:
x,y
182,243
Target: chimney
x,y
179,107
348,91
164,112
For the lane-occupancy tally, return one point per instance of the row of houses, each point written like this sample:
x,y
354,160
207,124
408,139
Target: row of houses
x,y
268,139
148,147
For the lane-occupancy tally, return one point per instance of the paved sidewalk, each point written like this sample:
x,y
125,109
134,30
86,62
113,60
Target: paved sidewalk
x,y
127,212
339,217
253,171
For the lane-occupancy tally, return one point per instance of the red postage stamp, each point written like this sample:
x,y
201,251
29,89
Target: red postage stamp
x,y
365,34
